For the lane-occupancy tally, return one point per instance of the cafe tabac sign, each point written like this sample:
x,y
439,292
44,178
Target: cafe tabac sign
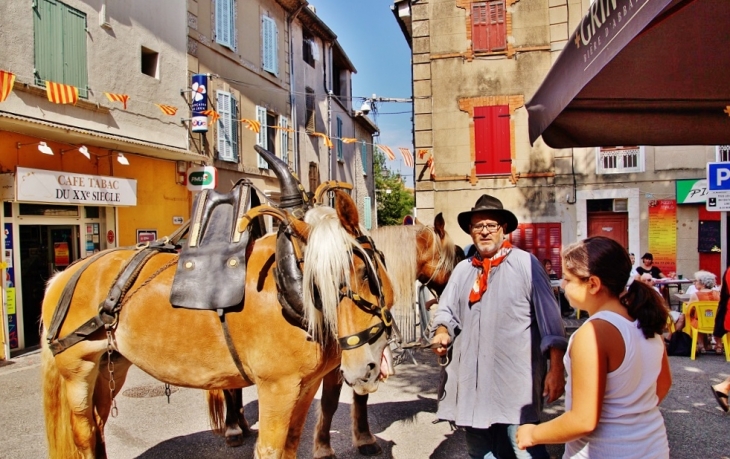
x,y
37,185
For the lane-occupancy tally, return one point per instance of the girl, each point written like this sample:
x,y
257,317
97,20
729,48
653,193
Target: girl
x,y
618,371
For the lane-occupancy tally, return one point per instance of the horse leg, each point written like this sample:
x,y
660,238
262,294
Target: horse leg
x,y
331,388
103,397
236,425
277,403
366,443
299,417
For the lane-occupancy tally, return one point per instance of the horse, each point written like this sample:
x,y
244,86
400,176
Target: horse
x,y
347,291
412,252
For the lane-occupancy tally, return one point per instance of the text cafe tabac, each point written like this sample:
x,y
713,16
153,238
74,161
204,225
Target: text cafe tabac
x,y
36,185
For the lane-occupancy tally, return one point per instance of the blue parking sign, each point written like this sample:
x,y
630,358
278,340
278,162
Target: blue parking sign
x,y
718,176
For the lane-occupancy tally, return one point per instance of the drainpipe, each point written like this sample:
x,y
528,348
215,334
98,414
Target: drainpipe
x,y
292,96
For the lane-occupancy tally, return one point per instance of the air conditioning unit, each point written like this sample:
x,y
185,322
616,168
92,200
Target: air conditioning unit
x,y
621,205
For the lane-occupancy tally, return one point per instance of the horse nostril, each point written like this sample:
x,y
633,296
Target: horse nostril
x,y
369,373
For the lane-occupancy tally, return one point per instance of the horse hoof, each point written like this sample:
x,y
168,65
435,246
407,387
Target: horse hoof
x,y
373,449
234,441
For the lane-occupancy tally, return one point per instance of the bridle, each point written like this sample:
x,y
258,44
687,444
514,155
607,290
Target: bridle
x,y
365,249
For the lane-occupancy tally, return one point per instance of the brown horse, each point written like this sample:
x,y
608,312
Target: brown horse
x,y
414,252
187,348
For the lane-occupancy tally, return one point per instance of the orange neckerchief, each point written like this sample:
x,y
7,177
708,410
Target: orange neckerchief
x,y
480,284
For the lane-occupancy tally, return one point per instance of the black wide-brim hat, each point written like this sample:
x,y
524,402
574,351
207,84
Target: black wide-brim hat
x,y
492,205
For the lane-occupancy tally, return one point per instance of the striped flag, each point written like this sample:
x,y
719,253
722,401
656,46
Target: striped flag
x,y
421,153
388,152
7,80
431,167
62,93
407,156
252,125
167,109
212,113
123,98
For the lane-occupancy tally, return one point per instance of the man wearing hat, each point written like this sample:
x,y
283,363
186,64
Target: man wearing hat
x,y
499,323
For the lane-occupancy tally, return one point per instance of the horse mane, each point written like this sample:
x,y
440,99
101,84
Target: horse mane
x,y
327,263
398,244
446,253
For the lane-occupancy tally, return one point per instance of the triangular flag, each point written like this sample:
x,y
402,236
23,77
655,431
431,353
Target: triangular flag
x,y
327,140
62,93
431,167
348,140
167,109
407,156
7,80
252,125
388,152
212,113
123,98
421,153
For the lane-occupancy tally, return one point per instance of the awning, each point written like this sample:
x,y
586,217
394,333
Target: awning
x,y
639,72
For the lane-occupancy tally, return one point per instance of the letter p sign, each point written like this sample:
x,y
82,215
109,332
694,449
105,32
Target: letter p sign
x,y
718,176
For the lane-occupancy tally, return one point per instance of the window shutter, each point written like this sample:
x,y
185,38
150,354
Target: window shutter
x,y
368,217
262,137
74,50
269,40
542,240
479,27
234,125
364,157
225,134
497,33
340,154
493,153
284,124
224,28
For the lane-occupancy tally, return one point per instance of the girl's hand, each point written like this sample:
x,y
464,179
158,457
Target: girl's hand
x,y
524,436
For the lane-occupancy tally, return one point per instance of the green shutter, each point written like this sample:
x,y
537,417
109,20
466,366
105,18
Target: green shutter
x,y
368,213
74,50
364,157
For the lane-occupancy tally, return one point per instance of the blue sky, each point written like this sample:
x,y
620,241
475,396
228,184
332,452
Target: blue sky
x,y
369,34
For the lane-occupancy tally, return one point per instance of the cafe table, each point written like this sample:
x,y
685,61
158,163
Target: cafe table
x,y
672,284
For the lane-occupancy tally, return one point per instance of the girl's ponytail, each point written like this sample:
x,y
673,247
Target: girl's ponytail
x,y
646,305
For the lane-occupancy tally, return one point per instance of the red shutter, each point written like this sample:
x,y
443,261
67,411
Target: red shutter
x,y
479,40
497,31
492,151
542,240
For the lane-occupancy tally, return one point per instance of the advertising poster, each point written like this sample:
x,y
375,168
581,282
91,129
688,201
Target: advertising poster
x,y
60,254
10,284
663,234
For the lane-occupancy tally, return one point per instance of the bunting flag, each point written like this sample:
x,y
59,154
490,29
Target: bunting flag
x,y
327,140
7,80
348,140
167,109
62,93
123,98
421,153
407,156
388,152
252,125
213,115
431,167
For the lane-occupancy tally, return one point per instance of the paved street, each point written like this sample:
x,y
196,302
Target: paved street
x,y
401,416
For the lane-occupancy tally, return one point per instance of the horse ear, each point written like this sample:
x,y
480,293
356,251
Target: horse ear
x,y
347,212
439,225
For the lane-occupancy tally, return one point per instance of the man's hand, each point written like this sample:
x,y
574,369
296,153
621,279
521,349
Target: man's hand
x,y
441,337
555,379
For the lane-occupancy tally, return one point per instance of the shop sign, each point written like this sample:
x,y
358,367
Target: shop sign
x,y
199,87
691,191
37,185
202,178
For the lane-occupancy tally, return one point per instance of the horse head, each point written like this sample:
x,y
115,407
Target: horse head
x,y
339,253
437,255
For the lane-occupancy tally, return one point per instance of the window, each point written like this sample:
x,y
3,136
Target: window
x,y
225,25
149,62
310,116
364,157
262,138
488,31
313,176
60,45
723,153
619,160
368,210
284,138
308,48
270,45
542,240
227,127
340,152
271,132
493,152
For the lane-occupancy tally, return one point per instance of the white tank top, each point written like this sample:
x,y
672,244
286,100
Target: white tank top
x,y
630,425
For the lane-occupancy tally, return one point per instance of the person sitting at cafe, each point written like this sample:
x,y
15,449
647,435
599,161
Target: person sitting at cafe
x,y
647,266
705,283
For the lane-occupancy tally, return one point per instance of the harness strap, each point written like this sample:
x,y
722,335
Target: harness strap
x,y
125,280
231,347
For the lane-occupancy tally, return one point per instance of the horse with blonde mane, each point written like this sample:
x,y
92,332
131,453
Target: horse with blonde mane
x,y
187,348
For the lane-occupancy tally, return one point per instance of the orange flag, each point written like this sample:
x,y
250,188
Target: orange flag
x,y
167,109
252,125
7,80
421,153
348,140
213,115
407,156
431,167
388,152
327,140
62,93
123,98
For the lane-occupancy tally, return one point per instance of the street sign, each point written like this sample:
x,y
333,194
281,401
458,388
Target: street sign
x,y
202,178
718,176
718,201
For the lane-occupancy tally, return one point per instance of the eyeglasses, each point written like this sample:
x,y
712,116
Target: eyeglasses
x,y
491,227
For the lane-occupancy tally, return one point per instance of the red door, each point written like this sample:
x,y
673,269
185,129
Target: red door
x,y
613,225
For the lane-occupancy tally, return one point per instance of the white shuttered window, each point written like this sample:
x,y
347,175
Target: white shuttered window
x,y
225,25
262,138
284,142
227,126
269,45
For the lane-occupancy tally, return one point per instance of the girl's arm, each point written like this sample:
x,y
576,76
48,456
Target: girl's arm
x,y
589,365
664,381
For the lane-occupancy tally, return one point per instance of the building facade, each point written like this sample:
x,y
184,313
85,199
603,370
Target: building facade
x,y
475,64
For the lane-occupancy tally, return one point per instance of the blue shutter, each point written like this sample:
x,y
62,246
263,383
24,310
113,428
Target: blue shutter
x,y
262,139
340,154
224,23
284,124
364,157
269,45
234,123
368,217
225,135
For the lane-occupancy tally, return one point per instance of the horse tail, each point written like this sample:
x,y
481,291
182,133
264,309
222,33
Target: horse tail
x,y
57,413
216,413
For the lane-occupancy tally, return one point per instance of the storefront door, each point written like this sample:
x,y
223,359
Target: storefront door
x,y
44,250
